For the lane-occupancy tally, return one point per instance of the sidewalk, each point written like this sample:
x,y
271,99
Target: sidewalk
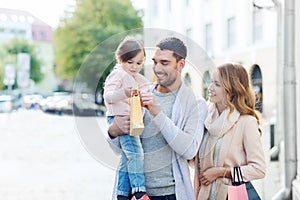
x,y
42,158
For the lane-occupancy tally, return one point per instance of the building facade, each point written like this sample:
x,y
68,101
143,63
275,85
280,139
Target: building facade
x,y
235,31
23,25
296,183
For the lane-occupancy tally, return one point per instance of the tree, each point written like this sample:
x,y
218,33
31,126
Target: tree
x,y
15,46
91,25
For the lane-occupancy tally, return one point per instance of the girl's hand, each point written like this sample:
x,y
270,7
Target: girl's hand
x,y
128,91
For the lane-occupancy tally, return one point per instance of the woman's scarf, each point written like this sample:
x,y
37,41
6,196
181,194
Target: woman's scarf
x,y
217,126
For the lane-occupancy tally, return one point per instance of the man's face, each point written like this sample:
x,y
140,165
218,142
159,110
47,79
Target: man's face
x,y
165,67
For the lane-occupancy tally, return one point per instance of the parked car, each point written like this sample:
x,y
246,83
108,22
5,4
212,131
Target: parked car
x,y
8,103
84,104
58,103
32,101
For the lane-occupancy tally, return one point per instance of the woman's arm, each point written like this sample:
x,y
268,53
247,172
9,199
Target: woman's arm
x,y
256,166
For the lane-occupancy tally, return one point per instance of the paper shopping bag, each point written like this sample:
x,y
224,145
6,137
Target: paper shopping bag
x,y
136,114
237,191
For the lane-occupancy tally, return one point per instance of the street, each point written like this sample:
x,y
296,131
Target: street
x,y
51,157
42,158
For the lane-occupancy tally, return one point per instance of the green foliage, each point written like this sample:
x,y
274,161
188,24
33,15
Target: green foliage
x,y
16,46
92,24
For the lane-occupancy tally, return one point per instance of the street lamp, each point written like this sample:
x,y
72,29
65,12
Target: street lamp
x,y
264,4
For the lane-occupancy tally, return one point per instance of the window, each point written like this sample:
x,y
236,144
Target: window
x,y
208,37
187,80
206,83
3,17
42,35
188,32
257,26
231,36
256,81
14,18
187,2
21,33
154,7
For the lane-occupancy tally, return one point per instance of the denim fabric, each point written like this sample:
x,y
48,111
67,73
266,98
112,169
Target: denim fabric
x,y
131,177
167,197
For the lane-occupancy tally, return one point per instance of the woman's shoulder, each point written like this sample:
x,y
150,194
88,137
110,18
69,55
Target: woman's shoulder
x,y
247,119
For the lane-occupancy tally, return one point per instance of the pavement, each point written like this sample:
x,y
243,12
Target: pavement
x,y
42,158
50,157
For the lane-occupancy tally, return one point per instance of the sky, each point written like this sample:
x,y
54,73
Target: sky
x,y
48,11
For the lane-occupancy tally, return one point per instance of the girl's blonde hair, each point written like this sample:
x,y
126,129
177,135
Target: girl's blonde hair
x,y
240,95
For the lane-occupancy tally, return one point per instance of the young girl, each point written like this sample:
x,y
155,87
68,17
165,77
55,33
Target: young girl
x,y
233,134
119,84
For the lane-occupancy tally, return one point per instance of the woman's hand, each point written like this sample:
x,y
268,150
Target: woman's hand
x,y
210,175
119,126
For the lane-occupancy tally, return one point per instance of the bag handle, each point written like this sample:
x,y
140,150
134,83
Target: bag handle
x,y
136,93
237,172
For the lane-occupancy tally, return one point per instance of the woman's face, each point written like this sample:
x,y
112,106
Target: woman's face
x,y
217,93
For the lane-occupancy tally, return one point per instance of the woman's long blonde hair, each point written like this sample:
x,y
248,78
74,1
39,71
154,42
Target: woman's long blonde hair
x,y
240,95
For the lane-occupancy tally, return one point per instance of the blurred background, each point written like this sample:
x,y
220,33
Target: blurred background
x,y
45,45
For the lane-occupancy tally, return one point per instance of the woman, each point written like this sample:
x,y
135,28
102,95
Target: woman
x,y
233,134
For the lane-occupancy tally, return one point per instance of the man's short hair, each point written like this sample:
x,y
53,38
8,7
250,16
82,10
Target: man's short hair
x,y
174,44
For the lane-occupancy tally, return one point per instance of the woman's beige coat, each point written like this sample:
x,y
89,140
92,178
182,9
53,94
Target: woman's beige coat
x,y
241,146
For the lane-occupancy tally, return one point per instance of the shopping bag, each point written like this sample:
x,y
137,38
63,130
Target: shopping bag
x,y
252,193
136,114
237,191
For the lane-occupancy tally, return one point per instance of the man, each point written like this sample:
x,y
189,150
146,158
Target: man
x,y
174,125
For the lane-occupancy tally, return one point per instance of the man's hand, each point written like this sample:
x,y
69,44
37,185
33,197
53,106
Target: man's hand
x,y
149,102
120,126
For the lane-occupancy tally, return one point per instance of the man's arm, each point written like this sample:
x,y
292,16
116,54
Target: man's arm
x,y
184,138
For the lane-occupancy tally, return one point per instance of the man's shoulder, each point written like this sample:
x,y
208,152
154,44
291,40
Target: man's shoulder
x,y
191,94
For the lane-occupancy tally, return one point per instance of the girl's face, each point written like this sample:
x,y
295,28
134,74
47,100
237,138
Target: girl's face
x,y
134,65
217,93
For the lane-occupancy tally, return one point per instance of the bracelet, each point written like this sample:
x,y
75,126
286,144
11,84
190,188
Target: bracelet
x,y
225,172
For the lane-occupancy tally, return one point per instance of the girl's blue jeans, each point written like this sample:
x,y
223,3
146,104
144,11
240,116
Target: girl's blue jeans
x,y
131,177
